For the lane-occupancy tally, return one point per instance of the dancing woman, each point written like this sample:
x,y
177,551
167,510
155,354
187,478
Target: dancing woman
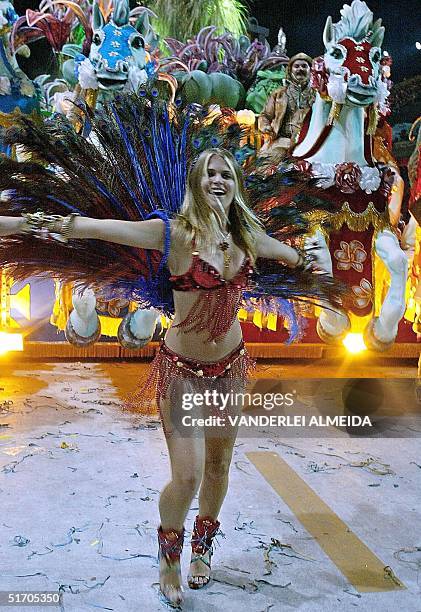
x,y
210,246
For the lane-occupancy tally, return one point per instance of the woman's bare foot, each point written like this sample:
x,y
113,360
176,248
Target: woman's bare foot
x,y
170,548
170,582
199,574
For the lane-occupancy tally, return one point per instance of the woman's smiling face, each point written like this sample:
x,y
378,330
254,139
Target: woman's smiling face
x,y
219,181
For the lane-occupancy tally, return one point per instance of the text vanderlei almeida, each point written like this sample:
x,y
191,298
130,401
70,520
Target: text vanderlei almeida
x,y
220,413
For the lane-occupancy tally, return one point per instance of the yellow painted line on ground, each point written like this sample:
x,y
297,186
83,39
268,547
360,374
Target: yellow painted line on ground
x,y
361,567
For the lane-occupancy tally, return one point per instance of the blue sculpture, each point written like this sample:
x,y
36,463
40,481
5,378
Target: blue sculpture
x,y
18,94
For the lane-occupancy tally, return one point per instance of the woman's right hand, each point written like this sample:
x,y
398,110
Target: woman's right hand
x,y
11,225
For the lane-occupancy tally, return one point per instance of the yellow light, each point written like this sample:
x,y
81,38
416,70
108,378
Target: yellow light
x,y
10,342
354,343
246,117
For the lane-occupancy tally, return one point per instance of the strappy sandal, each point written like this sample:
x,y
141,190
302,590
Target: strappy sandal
x,y
170,546
204,531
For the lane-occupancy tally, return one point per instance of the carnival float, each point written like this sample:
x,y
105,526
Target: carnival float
x,y
326,117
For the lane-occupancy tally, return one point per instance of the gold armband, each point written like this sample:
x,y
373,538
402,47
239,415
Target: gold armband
x,y
46,226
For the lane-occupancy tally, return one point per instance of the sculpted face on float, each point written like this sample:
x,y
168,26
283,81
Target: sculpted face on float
x,y
218,181
118,49
353,54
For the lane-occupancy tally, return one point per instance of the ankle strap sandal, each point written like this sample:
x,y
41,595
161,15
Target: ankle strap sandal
x,y
170,544
204,531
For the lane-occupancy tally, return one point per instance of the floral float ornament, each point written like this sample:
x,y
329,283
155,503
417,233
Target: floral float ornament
x,y
350,255
246,117
347,177
63,101
55,21
363,294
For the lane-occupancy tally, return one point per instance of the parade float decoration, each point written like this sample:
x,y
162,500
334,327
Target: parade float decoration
x,y
270,74
116,51
214,68
254,70
228,69
18,96
336,147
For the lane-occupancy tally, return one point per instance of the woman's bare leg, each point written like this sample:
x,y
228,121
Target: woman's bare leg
x,y
187,460
213,489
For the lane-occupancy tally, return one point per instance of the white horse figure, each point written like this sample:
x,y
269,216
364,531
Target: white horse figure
x,y
350,92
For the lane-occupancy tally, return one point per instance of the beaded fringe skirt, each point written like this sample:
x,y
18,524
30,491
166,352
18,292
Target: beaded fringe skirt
x,y
168,368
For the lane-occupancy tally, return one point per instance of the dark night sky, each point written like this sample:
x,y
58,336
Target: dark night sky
x,y
303,22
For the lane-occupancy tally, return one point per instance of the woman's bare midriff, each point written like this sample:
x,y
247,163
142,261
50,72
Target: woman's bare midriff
x,y
195,345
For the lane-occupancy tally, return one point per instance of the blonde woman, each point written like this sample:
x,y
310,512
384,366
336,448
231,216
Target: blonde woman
x,y
215,240
198,257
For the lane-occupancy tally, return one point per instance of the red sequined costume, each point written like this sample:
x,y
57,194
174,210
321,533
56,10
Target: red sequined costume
x,y
218,301
214,310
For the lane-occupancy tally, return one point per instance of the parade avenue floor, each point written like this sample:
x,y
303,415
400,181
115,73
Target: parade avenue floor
x,y
328,523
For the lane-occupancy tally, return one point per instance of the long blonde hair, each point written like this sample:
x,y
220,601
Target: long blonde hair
x,y
198,221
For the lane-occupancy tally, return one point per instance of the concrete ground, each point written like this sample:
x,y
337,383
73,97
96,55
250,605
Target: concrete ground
x,y
79,485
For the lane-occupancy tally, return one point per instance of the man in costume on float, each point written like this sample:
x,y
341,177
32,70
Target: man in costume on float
x,y
283,115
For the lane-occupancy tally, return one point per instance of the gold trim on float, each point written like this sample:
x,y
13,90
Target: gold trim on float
x,y
36,350
357,222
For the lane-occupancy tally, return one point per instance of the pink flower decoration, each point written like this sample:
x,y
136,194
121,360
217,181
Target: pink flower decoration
x,y
363,294
347,177
351,255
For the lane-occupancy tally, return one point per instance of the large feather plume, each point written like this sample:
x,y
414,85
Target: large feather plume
x,y
133,166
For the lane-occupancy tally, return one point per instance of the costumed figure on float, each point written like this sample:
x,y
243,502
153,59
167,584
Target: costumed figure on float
x,y
365,197
283,115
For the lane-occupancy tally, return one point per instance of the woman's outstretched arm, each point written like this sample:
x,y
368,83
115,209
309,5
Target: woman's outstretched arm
x,y
141,234
270,248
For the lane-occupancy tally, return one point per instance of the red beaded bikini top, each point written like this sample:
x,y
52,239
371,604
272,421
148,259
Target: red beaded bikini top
x,y
203,276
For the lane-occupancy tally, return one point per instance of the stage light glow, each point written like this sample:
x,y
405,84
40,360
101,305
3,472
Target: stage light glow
x,y
418,45
354,343
246,117
10,342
